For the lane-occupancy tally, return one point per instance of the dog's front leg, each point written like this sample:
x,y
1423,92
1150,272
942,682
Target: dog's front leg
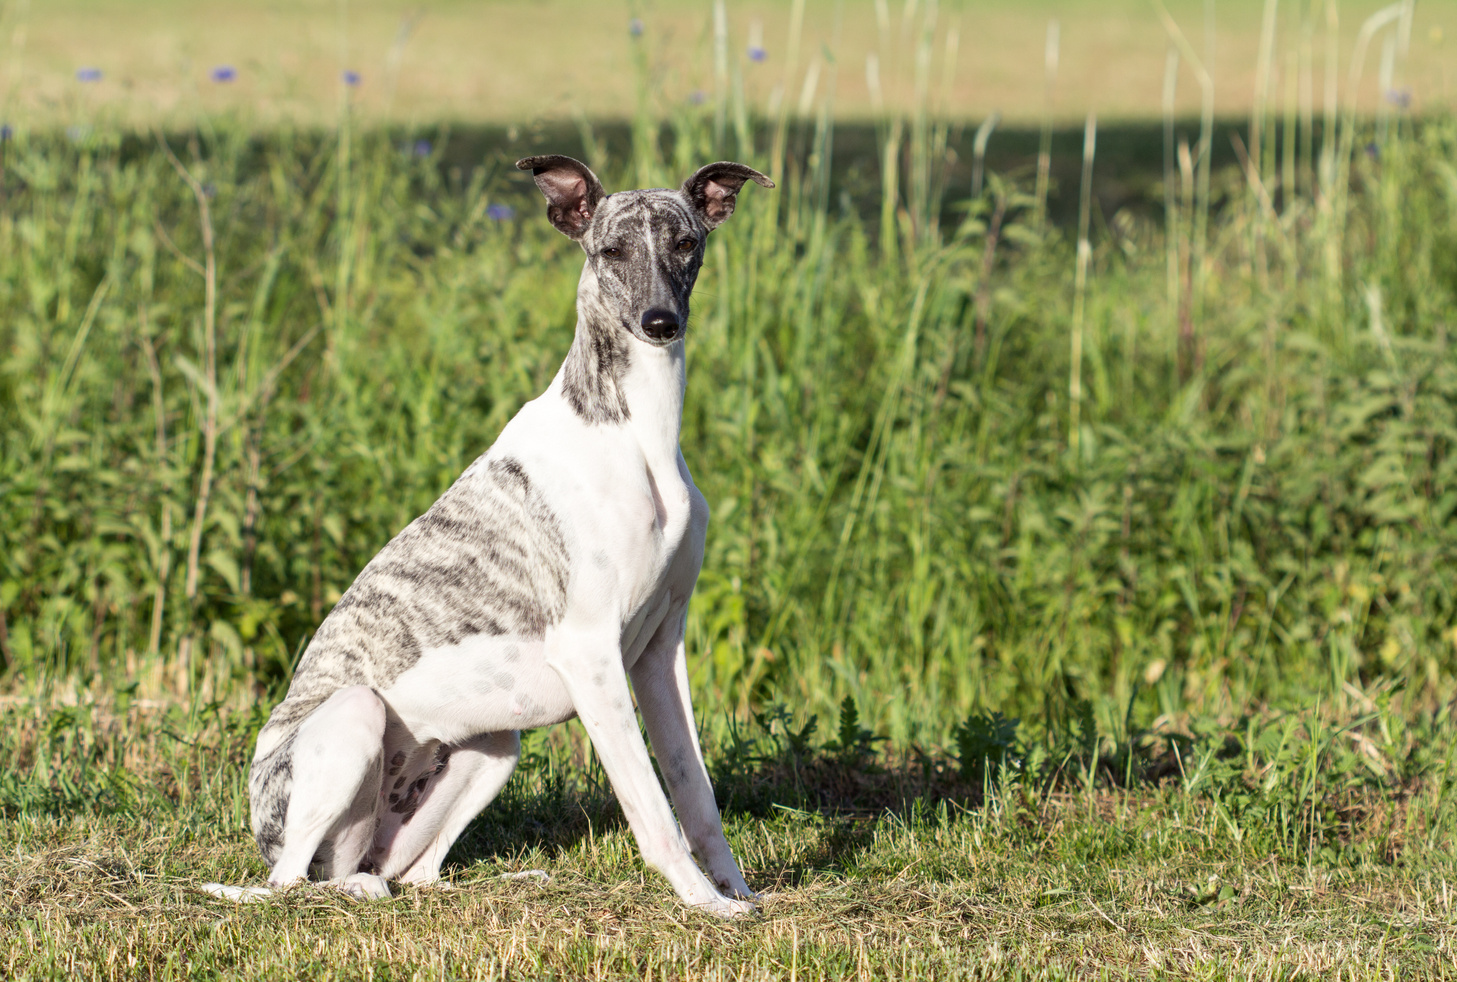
x,y
660,682
590,667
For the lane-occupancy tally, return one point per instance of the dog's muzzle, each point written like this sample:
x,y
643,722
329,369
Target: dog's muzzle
x,y
661,326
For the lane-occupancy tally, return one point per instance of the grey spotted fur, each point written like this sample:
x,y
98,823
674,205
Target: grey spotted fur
x,y
490,557
487,558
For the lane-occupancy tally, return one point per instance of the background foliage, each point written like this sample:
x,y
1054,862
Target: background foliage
x,y
898,515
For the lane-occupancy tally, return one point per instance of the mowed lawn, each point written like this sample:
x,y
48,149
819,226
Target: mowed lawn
x,y
513,62
98,880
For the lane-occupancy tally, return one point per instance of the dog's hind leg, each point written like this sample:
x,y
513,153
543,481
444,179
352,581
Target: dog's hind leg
x,y
337,765
412,842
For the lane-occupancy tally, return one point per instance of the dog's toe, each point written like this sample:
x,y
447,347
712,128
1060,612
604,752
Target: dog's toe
x,y
364,886
728,907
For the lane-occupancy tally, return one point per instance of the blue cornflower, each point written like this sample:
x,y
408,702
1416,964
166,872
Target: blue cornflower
x,y
421,148
756,53
351,78
224,73
696,97
1400,98
500,213
88,74
634,27
5,132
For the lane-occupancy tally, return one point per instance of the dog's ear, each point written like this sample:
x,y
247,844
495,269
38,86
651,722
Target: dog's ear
x,y
713,189
572,191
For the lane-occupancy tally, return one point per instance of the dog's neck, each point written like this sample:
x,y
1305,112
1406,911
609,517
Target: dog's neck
x,y
611,378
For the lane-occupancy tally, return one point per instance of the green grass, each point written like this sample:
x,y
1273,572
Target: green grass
x,y
1141,664
1259,514
1269,856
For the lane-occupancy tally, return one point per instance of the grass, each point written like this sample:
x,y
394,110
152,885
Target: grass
x,y
1074,604
112,815
511,62
1256,513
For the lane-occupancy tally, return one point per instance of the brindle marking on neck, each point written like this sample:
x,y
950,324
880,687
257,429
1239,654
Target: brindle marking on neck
x,y
594,369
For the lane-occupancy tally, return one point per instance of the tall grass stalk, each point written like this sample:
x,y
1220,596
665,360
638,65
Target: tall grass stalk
x,y
1192,310
1171,212
1051,49
720,71
1252,513
1382,19
1080,286
1258,144
979,152
208,270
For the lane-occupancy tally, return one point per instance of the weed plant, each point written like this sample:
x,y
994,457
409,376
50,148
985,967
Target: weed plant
x,y
234,364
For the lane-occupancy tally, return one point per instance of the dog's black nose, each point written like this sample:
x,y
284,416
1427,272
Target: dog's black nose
x,y
660,325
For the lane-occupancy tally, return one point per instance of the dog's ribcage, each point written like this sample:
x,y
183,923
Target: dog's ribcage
x,y
489,560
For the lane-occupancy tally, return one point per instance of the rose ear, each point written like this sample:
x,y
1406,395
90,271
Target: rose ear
x,y
713,190
572,191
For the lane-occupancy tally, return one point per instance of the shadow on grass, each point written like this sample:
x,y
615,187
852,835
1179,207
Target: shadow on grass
x,y
836,798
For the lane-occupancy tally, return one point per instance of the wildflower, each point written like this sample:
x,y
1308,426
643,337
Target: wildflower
x,y
421,148
1400,98
76,133
88,74
5,132
209,190
351,78
696,97
500,213
1373,151
224,73
634,27
756,53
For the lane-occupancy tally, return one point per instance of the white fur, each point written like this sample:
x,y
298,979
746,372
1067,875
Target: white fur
x,y
634,525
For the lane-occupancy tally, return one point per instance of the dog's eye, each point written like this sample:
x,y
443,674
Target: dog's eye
x,y
612,252
686,244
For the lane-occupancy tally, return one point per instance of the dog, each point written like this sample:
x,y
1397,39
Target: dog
x,y
555,569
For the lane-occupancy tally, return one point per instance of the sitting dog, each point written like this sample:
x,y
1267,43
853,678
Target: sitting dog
x,y
555,569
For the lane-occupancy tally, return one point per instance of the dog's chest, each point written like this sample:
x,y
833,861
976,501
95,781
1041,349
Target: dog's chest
x,y
634,550
643,532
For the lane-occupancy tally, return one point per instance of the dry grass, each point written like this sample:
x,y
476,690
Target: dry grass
x,y
513,62
1146,884
94,899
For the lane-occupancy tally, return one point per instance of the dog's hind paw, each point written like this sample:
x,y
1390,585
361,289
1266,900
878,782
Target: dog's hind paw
x,y
363,886
728,907
239,895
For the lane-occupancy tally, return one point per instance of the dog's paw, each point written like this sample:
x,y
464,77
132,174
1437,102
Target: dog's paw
x,y
239,895
728,907
363,886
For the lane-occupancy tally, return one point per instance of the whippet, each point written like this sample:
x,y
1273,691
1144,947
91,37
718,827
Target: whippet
x,y
558,566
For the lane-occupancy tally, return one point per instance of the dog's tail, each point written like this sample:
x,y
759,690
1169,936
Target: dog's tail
x,y
240,895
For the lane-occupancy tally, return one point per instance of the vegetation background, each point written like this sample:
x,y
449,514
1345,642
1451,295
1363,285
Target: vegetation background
x,y
1079,595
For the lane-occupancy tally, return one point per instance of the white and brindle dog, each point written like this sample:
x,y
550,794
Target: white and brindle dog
x,y
557,567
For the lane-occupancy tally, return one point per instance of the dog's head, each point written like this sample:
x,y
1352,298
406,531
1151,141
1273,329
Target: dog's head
x,y
644,248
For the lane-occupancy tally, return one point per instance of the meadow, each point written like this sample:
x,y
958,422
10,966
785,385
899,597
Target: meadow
x,y
1079,595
